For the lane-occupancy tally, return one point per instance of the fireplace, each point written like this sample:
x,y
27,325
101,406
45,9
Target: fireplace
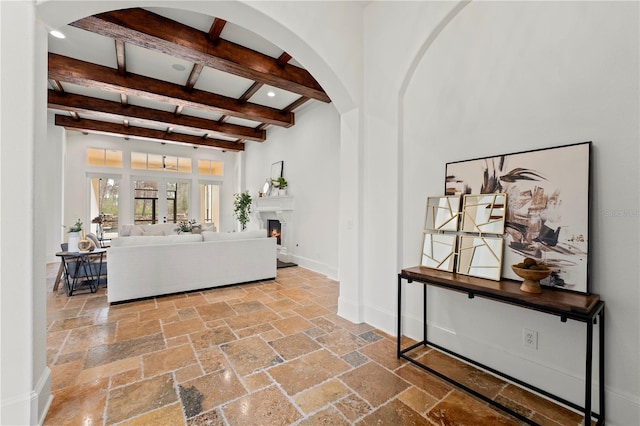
x,y
274,230
276,217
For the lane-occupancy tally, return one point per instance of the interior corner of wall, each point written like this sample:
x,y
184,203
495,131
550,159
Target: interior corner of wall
x,y
350,310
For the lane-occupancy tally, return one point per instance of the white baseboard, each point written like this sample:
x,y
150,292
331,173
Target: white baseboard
x,y
315,266
622,409
349,310
29,408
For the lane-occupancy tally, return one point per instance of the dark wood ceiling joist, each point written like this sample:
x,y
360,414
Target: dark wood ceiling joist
x,y
216,29
101,127
102,108
86,74
155,32
120,57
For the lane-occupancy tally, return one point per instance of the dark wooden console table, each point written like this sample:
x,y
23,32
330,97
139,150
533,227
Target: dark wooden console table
x,y
566,305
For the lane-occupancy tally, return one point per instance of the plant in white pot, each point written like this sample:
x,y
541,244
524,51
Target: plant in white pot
x,y
74,236
281,183
185,226
242,208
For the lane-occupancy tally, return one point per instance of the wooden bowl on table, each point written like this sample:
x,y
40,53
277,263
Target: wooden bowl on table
x,y
531,277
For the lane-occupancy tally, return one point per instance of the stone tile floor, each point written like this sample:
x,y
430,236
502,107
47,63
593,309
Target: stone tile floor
x,y
273,352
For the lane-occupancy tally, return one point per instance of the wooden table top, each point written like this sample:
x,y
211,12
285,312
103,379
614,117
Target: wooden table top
x,y
551,300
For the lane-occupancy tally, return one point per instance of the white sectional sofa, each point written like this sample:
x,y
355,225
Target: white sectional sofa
x,y
143,266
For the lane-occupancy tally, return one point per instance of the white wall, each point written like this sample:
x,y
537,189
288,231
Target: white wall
x,y
504,77
310,151
26,380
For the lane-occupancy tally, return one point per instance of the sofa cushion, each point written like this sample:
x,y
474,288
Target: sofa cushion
x,y
153,230
145,240
223,236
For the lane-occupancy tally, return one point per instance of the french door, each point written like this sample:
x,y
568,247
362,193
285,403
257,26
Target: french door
x,y
160,200
104,210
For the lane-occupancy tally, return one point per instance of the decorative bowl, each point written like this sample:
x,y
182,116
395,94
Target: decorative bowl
x,y
85,246
531,277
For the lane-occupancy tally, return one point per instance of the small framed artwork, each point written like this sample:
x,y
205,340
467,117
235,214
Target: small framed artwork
x,y
277,169
547,215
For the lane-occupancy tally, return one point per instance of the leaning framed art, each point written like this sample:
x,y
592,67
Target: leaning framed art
x,y
547,214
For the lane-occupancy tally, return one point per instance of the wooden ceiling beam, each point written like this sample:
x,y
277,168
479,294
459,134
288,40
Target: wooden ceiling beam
x,y
193,77
102,127
102,108
283,59
216,29
250,92
295,104
120,57
151,31
57,86
104,78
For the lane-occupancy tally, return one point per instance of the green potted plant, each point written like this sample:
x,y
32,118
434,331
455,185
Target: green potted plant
x,y
185,226
242,208
74,236
281,183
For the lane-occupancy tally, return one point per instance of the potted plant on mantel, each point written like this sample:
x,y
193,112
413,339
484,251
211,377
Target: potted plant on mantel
x,y
281,183
242,208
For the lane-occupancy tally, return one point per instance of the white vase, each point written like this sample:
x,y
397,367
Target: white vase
x,y
74,238
282,191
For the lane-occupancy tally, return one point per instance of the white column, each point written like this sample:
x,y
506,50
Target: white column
x,y
25,388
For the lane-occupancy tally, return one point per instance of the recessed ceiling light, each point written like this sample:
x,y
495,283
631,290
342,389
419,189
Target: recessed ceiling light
x,y
57,34
178,67
271,93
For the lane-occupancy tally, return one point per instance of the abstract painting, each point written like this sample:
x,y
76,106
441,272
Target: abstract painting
x,y
547,214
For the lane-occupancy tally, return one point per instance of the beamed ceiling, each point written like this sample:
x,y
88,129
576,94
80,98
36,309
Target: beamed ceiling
x,y
173,76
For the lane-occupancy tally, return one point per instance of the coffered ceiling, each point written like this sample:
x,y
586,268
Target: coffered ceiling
x,y
174,76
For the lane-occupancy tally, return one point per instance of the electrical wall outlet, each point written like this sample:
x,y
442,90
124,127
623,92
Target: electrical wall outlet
x,y
530,338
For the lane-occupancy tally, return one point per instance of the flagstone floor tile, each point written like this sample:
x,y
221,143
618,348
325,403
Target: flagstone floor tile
x,y
272,352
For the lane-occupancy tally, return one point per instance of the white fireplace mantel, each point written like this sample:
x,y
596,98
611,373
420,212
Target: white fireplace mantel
x,y
280,208
274,204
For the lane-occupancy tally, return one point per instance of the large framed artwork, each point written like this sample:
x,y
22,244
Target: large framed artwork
x,y
547,214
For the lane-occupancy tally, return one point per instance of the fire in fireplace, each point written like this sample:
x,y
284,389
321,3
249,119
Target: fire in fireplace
x,y
274,230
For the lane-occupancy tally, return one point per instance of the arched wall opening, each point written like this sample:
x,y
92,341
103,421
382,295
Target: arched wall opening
x,y
28,399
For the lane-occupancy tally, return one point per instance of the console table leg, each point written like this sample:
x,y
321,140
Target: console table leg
x,y
424,314
588,374
399,314
601,365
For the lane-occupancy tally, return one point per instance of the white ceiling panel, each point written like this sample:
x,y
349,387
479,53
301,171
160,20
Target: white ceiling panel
x,y
192,19
201,113
224,138
136,123
85,46
90,91
281,99
215,81
249,39
295,63
156,65
101,118
188,132
243,122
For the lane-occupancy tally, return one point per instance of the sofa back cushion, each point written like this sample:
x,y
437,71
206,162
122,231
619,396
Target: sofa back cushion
x,y
145,240
224,236
158,229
